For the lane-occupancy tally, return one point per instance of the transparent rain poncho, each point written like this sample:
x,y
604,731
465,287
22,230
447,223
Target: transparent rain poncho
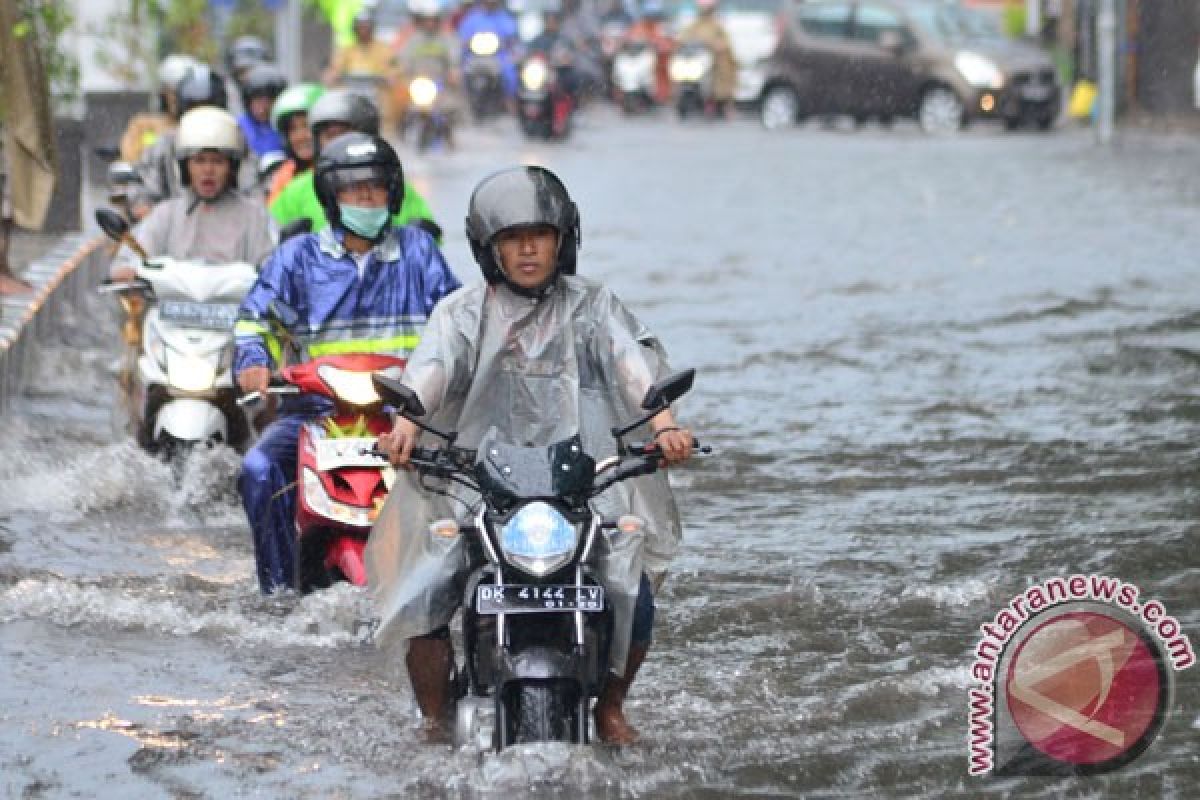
x,y
538,371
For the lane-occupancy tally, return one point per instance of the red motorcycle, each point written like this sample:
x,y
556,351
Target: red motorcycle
x,y
340,485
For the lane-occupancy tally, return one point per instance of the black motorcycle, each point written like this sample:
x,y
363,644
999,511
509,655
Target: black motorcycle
x,y
537,624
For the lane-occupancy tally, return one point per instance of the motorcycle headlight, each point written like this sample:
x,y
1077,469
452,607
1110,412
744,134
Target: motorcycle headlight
x,y
191,373
538,539
686,70
485,44
533,75
320,502
423,92
978,71
352,388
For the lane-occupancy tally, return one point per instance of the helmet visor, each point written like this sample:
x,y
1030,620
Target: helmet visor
x,y
353,176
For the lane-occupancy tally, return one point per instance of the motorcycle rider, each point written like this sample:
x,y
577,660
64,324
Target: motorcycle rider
x,y
429,46
541,354
209,219
367,55
432,52
708,30
262,84
244,54
649,29
336,112
490,16
145,128
557,49
361,285
159,165
289,116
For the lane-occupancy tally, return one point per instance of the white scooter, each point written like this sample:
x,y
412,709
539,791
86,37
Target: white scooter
x,y
633,75
181,391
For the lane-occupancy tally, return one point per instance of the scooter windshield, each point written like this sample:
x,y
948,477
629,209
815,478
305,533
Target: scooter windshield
x,y
526,473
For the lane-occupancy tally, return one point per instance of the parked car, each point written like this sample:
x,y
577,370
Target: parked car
x,y
933,60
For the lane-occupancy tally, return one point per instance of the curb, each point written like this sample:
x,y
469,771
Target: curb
x,y
61,278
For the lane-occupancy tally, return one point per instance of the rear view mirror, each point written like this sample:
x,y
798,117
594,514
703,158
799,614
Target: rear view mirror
x,y
398,396
668,390
284,314
112,223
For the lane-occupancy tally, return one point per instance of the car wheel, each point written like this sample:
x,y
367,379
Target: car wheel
x,y
1045,123
1012,123
780,108
941,111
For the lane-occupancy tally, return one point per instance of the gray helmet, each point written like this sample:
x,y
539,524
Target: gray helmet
x,y
349,108
521,197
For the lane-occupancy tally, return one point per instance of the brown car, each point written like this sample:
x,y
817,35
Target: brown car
x,y
929,59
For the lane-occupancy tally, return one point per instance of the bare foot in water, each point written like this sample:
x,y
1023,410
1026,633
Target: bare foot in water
x,y
11,284
612,727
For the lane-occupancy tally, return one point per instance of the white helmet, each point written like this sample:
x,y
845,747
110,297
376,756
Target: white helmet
x,y
174,68
424,8
208,128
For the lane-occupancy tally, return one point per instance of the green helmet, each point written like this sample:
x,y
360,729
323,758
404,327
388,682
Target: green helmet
x,y
292,100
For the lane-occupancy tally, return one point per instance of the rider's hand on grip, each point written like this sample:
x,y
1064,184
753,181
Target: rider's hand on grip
x,y
674,443
254,379
398,443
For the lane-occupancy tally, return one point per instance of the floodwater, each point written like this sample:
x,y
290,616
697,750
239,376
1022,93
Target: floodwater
x,y
933,372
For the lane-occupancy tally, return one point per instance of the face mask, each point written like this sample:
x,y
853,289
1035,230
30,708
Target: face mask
x,y
366,222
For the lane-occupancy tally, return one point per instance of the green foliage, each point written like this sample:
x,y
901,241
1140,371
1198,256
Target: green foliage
x,y
46,21
250,19
186,29
1014,20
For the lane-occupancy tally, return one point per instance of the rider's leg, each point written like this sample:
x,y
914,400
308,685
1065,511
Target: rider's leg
x,y
611,725
267,486
430,662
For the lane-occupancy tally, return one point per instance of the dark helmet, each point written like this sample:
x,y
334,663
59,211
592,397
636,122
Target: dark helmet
x,y
263,80
201,87
517,198
352,158
245,52
349,108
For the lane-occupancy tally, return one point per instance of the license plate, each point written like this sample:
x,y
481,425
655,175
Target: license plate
x,y
208,316
515,599
1036,94
347,452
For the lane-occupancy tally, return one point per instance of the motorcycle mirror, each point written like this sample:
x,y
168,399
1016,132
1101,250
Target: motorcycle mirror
x,y
668,390
295,228
397,395
284,314
113,224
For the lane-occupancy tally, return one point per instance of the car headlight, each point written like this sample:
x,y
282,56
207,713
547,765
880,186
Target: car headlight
x,y
191,373
320,502
533,75
538,539
352,388
485,44
423,92
978,71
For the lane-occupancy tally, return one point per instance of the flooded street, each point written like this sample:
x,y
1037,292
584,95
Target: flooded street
x,y
933,372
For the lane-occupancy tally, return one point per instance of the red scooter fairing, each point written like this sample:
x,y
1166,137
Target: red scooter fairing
x,y
340,486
